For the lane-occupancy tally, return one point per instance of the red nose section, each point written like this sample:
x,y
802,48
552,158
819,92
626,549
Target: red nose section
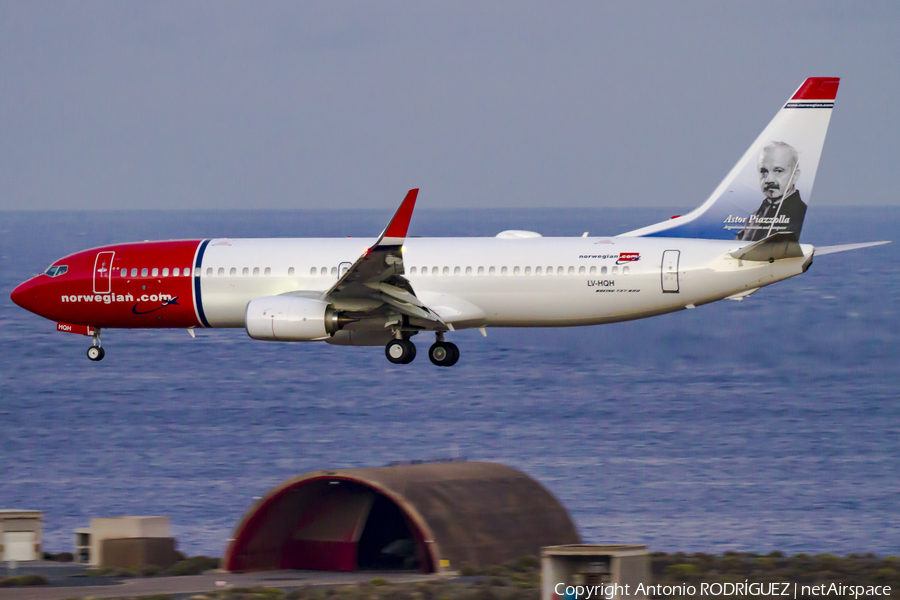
x,y
25,295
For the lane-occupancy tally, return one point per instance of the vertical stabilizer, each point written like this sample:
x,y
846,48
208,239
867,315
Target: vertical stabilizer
x,y
768,190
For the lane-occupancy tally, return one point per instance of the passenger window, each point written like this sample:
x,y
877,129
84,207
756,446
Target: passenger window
x,y
626,270
468,270
593,270
515,270
245,271
434,270
615,270
291,272
571,270
134,272
446,270
269,271
503,270
123,273
559,270
155,272
491,271
412,271
456,270
221,272
603,270
165,271
256,271
549,270
232,272
176,272
333,271
144,272
313,271
581,270
481,270
528,270
187,272
538,271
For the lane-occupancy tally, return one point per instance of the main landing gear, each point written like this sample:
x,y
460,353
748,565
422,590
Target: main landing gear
x,y
400,352
96,352
441,353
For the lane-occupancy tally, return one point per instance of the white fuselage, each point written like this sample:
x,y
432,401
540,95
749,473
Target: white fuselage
x,y
497,282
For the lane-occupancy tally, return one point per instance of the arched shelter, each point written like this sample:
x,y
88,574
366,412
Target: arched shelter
x,y
429,517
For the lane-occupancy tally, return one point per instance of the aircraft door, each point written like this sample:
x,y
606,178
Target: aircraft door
x,y
103,272
670,260
343,268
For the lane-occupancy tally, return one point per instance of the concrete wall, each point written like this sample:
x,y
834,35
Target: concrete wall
x,y
138,552
121,528
20,522
586,565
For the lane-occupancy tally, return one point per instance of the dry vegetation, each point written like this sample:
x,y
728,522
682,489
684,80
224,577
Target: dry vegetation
x,y
521,580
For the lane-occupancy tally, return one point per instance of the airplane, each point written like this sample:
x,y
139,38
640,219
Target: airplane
x,y
384,291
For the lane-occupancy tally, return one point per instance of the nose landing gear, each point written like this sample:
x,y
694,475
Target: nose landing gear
x,y
96,352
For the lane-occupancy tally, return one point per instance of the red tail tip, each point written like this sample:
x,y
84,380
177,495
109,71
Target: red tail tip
x,y
818,88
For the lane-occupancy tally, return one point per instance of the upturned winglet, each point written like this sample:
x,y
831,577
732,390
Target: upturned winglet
x,y
395,233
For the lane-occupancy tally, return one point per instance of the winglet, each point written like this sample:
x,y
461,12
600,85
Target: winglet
x,y
395,233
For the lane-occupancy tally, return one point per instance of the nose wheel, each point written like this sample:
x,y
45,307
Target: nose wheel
x,y
400,352
96,352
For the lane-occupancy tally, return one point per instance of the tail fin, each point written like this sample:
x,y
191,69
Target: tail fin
x,y
767,190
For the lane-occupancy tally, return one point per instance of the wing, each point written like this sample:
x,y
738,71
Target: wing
x,y
376,278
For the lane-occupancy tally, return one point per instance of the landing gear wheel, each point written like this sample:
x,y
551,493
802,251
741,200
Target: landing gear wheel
x,y
95,353
443,354
400,352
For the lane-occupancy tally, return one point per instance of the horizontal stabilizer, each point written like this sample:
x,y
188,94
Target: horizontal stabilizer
x,y
774,247
823,250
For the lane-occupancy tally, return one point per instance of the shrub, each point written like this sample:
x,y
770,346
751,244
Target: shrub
x,y
682,572
23,580
528,563
192,566
378,581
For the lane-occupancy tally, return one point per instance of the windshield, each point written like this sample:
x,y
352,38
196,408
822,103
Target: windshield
x,y
56,271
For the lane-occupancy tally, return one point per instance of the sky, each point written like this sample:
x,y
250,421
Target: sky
x,y
286,105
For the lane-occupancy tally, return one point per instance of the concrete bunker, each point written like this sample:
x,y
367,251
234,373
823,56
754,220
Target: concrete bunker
x,y
425,517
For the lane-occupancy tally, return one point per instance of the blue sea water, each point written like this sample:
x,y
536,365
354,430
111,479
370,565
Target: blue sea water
x,y
768,424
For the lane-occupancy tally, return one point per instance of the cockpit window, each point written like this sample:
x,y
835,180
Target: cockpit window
x,y
56,271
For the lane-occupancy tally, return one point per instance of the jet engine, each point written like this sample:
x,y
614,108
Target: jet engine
x,y
291,319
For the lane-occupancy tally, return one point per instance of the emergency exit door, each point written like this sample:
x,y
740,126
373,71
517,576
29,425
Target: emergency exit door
x,y
670,271
103,272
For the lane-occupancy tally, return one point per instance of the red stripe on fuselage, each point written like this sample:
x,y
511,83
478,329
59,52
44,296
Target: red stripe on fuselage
x,y
134,300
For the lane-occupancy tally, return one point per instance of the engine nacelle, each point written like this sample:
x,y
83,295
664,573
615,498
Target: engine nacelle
x,y
290,319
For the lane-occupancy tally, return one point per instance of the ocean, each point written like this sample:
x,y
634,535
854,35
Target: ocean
x,y
767,424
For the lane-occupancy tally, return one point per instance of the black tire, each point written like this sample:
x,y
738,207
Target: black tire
x,y
439,353
400,352
455,358
443,354
411,352
102,354
94,353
